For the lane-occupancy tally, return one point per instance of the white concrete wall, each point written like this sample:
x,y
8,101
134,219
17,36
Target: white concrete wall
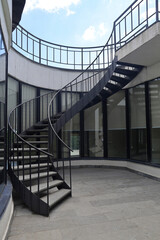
x,y
144,169
148,73
5,221
36,74
6,21
143,50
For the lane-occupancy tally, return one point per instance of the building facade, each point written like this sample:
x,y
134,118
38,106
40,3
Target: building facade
x,y
102,102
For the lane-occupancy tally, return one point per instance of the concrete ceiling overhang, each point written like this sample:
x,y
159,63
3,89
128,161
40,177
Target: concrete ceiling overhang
x,y
17,9
144,49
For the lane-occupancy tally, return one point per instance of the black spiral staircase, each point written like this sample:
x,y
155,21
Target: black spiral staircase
x,y
39,176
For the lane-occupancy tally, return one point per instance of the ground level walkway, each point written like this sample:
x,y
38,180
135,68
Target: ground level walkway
x,y
107,204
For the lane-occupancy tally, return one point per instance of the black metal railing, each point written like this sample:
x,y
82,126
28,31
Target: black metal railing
x,y
73,92
140,15
24,152
55,55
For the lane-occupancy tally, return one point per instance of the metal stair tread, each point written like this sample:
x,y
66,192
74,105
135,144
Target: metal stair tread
x,y
34,136
28,157
36,130
32,142
28,149
55,197
41,125
43,186
33,166
124,71
34,176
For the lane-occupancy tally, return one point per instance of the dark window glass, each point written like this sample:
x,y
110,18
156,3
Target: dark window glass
x,y
71,136
138,123
116,112
93,131
2,106
154,90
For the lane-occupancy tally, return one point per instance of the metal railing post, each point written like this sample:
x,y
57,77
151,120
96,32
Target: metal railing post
x,y
157,12
81,58
114,34
39,50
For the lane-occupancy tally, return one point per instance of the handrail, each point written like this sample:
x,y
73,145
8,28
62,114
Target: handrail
x,y
52,54
135,19
118,42
15,131
75,82
140,15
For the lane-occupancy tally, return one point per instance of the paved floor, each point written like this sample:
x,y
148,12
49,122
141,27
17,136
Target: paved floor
x,y
107,204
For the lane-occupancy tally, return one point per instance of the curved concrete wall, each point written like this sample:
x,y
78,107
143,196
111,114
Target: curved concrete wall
x,y
37,74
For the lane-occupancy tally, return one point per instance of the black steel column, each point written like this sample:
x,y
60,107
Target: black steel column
x,y
128,127
6,123
59,109
105,128
157,10
19,109
38,105
148,123
82,133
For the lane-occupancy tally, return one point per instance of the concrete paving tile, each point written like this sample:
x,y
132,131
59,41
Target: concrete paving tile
x,y
43,235
107,204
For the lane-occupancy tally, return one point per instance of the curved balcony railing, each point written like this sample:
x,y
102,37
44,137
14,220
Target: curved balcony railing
x,y
55,55
140,15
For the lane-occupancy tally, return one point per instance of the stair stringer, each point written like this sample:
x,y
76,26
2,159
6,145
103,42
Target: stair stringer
x,y
86,99
32,201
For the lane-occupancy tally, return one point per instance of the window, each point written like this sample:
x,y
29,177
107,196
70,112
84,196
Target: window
x,y
154,91
93,131
116,112
138,123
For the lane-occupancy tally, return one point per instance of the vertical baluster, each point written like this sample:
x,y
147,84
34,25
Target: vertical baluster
x,y
53,54
157,10
60,54
125,23
139,17
131,19
74,60
42,107
40,57
67,55
27,42
81,58
48,161
23,155
33,49
30,169
47,55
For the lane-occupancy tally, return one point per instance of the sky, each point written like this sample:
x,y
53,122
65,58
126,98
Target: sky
x,y
72,22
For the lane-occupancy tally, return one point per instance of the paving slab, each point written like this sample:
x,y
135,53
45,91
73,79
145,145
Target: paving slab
x,y
107,204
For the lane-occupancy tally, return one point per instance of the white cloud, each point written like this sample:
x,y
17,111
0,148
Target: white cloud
x,y
102,30
69,12
51,5
89,34
92,32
